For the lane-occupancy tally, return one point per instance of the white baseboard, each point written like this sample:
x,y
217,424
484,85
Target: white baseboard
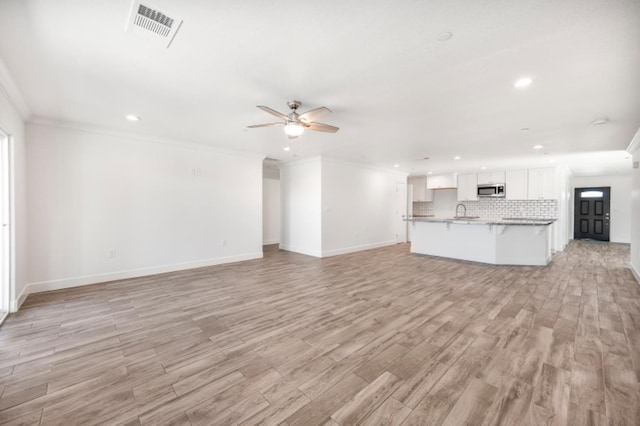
x,y
353,249
14,305
60,284
300,250
635,272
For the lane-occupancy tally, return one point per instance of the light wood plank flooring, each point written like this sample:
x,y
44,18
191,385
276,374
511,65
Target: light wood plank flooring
x,y
380,337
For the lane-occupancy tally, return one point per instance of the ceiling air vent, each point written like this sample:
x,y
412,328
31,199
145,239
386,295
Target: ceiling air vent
x,y
152,23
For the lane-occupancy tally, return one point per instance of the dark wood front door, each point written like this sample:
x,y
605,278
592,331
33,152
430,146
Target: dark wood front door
x,y
591,213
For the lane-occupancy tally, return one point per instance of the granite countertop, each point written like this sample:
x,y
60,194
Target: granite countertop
x,y
484,221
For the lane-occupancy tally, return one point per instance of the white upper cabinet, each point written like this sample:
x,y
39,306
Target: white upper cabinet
x,y
516,185
468,187
420,191
442,181
490,178
541,185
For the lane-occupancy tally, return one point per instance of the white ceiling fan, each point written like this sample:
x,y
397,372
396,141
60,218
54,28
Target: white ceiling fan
x,y
294,123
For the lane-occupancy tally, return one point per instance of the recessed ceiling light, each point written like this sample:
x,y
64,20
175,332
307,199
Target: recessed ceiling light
x,y
286,148
522,82
429,173
445,36
551,161
524,129
457,157
538,146
132,117
600,122
396,165
483,168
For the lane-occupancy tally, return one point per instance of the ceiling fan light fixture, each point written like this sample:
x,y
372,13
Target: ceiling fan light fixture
x,y
293,129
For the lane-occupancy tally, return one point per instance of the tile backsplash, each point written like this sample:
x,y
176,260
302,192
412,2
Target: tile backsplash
x,y
497,208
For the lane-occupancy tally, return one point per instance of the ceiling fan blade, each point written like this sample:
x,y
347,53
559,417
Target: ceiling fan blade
x,y
253,126
273,112
321,127
313,114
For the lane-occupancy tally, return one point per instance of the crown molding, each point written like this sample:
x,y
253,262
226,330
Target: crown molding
x,y
104,131
634,145
10,89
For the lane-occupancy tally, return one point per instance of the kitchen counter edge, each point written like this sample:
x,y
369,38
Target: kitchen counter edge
x,y
523,222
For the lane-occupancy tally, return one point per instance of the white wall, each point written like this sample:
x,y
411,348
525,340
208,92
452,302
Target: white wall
x,y
620,224
270,211
634,148
12,122
332,207
105,206
301,216
359,206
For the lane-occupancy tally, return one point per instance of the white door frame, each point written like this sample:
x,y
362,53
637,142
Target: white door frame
x,y
6,224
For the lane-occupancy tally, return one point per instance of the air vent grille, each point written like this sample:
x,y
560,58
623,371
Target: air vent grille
x,y
153,20
151,23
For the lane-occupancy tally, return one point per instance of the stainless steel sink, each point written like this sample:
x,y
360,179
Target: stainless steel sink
x,y
463,219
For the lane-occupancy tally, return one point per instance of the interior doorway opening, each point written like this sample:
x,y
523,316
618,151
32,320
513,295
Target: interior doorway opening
x,y
591,213
401,213
5,229
270,202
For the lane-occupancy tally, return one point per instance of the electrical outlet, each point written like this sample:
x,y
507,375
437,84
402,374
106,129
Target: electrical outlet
x,y
223,243
112,254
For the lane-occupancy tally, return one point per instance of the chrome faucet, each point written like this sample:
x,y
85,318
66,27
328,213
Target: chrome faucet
x,y
465,210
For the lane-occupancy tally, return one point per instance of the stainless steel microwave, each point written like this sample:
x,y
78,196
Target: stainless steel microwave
x,y
495,190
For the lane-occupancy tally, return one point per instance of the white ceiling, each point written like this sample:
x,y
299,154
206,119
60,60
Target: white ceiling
x,y
396,92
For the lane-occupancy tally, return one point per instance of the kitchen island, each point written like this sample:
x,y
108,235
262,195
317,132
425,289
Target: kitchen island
x,y
494,241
